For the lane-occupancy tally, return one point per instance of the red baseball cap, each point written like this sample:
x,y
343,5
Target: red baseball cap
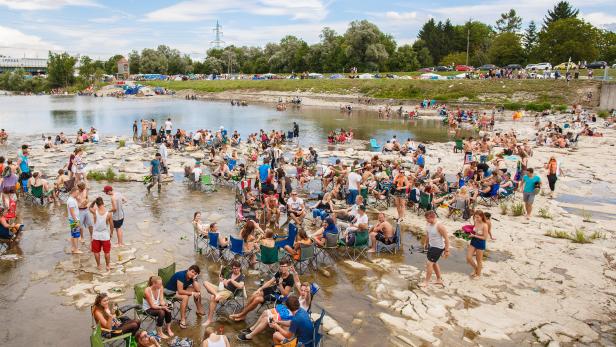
x,y
107,189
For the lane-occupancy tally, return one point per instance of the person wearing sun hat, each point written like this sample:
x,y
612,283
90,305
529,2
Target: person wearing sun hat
x,y
117,212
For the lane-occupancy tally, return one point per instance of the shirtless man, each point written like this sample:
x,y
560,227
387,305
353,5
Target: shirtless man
x,y
59,182
383,232
271,209
85,218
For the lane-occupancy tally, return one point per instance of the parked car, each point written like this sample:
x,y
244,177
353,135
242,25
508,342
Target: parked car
x,y
443,68
426,69
563,66
543,66
531,66
488,67
514,67
464,68
596,65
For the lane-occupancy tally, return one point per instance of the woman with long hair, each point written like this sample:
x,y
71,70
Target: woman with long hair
x,y
103,315
478,243
154,305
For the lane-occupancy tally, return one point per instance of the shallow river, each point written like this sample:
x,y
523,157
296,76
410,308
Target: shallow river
x,y
111,116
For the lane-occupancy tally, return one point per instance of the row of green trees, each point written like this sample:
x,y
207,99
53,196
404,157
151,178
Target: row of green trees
x,y
562,35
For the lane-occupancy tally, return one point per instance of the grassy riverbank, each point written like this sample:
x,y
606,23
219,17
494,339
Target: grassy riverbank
x,y
489,91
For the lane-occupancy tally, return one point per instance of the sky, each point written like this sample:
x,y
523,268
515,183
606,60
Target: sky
x,y
102,28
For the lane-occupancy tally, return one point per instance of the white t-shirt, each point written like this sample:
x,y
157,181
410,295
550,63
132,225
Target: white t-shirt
x,y
295,205
71,203
354,181
361,220
197,172
197,136
168,125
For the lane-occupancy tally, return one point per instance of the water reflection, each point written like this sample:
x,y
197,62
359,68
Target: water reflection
x,y
111,116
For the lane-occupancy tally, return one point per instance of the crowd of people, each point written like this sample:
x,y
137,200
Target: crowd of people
x,y
493,166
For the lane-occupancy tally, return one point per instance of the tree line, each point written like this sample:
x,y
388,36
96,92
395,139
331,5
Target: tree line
x,y
561,36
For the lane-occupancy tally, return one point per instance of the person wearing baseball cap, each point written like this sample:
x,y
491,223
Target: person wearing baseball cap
x,y
117,212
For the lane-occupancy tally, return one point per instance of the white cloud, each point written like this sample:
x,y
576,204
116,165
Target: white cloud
x,y
601,19
34,5
16,43
401,16
189,11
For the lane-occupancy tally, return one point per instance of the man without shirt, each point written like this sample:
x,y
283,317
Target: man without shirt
x,y
382,232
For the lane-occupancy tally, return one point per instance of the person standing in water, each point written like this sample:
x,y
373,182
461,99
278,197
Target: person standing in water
x,y
117,212
478,243
101,236
437,244
155,172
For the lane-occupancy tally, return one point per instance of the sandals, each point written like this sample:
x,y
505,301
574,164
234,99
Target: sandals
x,y
183,325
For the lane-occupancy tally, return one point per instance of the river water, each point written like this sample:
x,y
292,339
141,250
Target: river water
x,y
111,116
36,312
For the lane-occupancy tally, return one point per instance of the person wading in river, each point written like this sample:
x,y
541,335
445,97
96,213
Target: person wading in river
x,y
117,212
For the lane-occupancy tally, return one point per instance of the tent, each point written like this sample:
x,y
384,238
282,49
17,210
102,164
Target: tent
x,y
366,76
315,75
335,76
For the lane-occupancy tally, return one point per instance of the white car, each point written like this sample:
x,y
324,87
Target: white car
x,y
543,66
530,66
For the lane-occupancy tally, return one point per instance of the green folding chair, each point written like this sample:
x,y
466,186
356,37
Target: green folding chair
x,y
207,183
97,339
165,274
268,257
360,247
307,257
139,297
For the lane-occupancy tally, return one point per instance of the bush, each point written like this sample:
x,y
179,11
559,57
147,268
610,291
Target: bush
x,y
558,234
504,208
517,209
538,106
121,143
544,213
107,175
560,108
603,114
513,106
580,237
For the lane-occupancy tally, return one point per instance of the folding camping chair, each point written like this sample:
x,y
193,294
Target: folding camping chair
x,y
97,339
236,251
268,257
307,258
330,249
165,274
490,198
233,304
360,247
198,239
391,248
213,248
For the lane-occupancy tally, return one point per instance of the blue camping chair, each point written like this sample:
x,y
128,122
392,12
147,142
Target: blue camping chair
x,y
374,144
317,335
231,164
237,251
214,250
290,239
314,289
490,198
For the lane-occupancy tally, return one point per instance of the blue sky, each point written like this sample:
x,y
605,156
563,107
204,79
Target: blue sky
x,y
101,28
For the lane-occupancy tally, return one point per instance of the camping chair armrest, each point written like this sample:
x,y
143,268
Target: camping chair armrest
x,y
126,308
167,292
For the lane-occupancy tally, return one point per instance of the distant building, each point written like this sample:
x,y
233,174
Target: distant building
x,y
35,66
123,70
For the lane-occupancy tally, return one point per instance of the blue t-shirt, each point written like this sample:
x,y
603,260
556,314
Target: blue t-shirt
x,y
155,167
420,160
302,327
529,183
263,172
178,276
331,227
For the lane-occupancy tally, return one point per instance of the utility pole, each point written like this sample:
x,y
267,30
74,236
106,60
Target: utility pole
x,y
468,39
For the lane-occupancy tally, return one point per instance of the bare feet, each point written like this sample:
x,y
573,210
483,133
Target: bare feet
x,y
424,285
108,268
207,322
99,268
169,332
163,336
440,283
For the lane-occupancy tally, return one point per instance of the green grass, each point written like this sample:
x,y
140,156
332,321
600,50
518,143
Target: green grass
x,y
538,92
504,208
578,236
107,175
558,234
544,213
517,209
